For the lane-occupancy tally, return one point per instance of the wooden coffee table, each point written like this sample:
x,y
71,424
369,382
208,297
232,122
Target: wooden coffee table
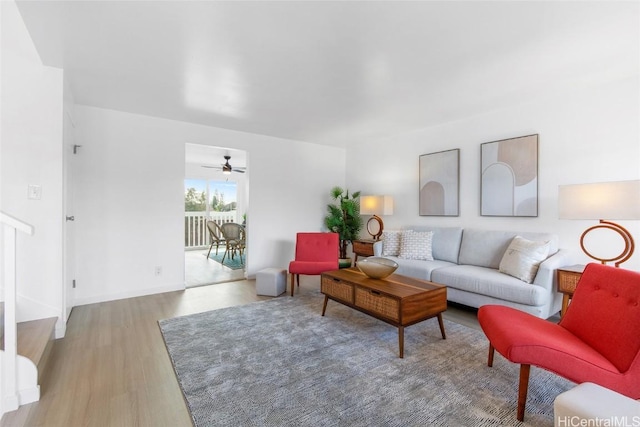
x,y
398,300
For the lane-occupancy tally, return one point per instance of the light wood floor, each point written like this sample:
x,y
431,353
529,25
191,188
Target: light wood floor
x,y
112,368
199,270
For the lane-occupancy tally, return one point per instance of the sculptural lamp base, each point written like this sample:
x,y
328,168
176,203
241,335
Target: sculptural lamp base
x,y
375,226
629,245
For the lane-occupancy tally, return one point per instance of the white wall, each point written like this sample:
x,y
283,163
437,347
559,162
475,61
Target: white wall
x,y
130,199
31,135
585,135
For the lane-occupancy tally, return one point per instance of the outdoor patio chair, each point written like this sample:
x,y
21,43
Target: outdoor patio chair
x,y
235,241
215,235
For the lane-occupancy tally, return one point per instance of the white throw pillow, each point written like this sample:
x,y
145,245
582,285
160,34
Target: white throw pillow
x,y
416,245
523,257
391,242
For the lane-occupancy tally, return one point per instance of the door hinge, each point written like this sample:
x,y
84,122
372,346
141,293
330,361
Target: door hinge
x,y
75,148
73,283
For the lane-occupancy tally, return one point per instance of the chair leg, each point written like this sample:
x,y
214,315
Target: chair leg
x,y
522,390
292,283
492,350
298,278
211,246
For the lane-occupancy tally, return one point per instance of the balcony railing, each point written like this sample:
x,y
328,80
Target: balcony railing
x,y
196,235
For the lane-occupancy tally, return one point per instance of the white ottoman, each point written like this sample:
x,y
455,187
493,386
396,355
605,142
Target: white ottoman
x,y
271,281
587,403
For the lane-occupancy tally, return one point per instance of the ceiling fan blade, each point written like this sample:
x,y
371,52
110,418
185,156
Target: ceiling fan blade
x,y
225,167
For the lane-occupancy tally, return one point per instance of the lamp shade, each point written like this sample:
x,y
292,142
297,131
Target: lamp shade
x,y
376,205
619,200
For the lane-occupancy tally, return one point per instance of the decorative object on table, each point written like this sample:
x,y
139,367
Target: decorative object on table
x,y
377,267
376,205
597,340
440,183
509,177
315,253
344,217
604,201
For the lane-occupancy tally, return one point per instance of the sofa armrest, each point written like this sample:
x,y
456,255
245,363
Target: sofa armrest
x,y
547,270
377,248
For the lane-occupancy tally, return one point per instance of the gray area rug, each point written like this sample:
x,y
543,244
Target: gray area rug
x,y
279,363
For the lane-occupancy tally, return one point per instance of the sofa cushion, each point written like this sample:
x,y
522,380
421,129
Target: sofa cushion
x,y
416,245
418,268
446,242
522,258
485,248
490,282
391,242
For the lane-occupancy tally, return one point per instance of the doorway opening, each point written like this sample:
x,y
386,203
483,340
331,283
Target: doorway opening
x,y
215,199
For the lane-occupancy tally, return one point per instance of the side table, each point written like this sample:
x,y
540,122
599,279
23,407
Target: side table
x,y
362,248
568,278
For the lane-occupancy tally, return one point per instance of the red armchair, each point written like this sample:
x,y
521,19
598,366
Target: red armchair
x,y
597,340
315,254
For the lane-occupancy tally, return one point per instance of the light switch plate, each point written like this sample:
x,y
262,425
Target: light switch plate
x,y
34,192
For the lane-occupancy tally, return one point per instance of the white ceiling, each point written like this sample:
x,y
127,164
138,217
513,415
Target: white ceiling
x,y
329,72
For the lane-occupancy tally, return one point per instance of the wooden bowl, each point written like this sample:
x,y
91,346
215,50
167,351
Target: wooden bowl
x,y
377,267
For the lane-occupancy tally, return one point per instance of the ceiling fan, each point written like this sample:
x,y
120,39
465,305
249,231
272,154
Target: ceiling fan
x,y
225,167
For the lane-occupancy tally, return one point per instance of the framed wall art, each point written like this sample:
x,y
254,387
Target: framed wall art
x,y
509,177
440,183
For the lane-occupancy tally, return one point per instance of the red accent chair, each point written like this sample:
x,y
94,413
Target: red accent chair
x,y
597,340
315,254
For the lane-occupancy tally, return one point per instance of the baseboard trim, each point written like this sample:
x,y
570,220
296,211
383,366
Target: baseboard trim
x,y
29,395
130,294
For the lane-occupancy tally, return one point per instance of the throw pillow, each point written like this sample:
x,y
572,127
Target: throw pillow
x,y
416,245
523,257
391,242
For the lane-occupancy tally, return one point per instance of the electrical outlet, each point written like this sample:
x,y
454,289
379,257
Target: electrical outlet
x,y
158,270
34,192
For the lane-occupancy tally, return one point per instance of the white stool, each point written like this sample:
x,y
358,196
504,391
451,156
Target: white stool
x,y
271,281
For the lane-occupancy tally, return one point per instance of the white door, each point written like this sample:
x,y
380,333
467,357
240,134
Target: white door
x,y
69,252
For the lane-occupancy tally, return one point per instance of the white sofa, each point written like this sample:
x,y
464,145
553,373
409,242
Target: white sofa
x,y
467,261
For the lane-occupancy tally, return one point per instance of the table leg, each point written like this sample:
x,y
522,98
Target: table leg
x,y
565,304
324,306
401,340
441,323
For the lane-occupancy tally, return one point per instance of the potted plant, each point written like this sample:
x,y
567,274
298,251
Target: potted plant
x,y
343,217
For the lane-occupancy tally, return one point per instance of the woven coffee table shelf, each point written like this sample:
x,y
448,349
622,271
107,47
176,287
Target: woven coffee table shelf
x,y
398,300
